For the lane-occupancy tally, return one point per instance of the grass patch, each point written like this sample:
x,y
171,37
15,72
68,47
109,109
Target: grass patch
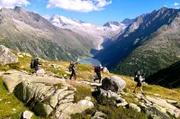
x,y
56,71
10,106
121,113
163,92
81,93
87,114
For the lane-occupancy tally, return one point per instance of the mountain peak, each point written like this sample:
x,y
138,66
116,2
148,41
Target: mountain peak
x,y
18,9
128,21
113,24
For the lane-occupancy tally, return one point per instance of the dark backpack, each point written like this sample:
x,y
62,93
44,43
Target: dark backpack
x,y
97,69
71,67
136,77
32,64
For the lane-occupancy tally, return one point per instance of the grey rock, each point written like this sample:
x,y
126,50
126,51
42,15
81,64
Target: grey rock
x,y
134,106
163,104
113,83
154,113
43,109
98,115
63,106
6,56
78,107
105,70
122,104
11,82
27,115
109,94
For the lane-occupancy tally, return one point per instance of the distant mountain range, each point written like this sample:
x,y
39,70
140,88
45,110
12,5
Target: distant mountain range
x,y
151,42
97,33
29,32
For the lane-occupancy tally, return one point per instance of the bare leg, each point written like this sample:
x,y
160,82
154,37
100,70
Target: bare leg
x,y
135,89
141,90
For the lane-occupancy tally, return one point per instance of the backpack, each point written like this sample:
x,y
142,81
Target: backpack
x,y
136,79
32,64
97,69
137,75
71,67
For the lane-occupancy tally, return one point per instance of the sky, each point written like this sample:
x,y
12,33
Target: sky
x,y
93,11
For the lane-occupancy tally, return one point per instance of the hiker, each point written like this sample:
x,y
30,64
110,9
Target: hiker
x,y
139,78
34,64
97,70
72,69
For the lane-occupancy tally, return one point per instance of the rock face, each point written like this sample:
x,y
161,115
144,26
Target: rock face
x,y
113,83
6,56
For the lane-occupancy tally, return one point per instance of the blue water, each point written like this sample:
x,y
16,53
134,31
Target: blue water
x,y
89,60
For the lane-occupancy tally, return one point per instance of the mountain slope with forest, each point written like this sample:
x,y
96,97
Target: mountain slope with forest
x,y
150,43
168,77
27,31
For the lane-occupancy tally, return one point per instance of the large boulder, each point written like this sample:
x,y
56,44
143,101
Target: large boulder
x,y
6,56
113,83
12,78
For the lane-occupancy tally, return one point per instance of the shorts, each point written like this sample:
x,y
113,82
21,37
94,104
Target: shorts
x,y
139,84
36,68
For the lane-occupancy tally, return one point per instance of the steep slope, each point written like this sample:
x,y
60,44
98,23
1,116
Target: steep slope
x,y
97,33
168,77
27,31
150,43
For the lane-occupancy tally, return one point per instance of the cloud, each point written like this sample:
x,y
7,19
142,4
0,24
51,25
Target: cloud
x,y
79,5
12,3
47,16
176,4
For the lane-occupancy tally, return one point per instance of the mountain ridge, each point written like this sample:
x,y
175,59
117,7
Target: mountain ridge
x,y
141,32
97,33
27,31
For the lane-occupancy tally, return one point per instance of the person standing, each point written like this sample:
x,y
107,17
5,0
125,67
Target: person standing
x,y
34,65
139,78
97,70
72,68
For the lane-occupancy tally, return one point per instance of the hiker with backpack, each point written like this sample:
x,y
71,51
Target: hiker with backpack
x,y
34,64
97,70
72,69
139,78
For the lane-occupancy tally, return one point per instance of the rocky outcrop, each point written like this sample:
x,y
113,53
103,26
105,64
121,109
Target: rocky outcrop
x,y
163,103
6,56
45,95
113,83
12,78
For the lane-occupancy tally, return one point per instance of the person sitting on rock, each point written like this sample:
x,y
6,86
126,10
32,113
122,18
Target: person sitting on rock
x,y
139,78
